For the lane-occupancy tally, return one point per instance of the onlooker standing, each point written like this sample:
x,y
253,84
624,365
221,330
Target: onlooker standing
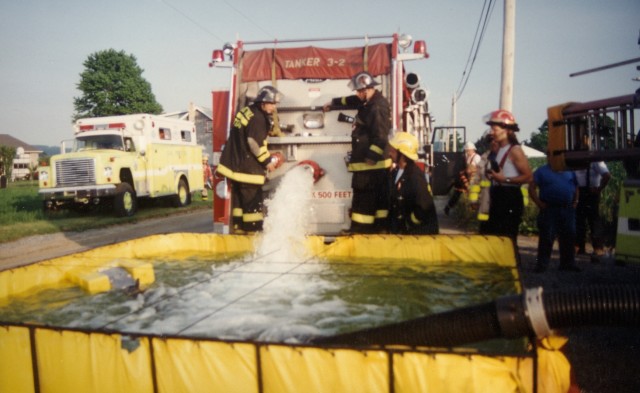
x,y
411,210
507,205
368,164
556,195
591,182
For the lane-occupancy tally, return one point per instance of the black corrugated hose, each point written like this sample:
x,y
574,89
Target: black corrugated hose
x,y
533,313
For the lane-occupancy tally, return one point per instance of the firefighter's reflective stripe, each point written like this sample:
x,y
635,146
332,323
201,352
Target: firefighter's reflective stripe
x,y
263,154
237,212
362,218
242,118
376,149
240,177
382,214
252,217
525,196
415,219
361,166
483,200
474,191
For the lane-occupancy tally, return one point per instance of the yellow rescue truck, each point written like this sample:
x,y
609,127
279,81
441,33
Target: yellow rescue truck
x,y
118,159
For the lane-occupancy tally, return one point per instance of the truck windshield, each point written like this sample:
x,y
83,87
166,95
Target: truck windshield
x,y
93,142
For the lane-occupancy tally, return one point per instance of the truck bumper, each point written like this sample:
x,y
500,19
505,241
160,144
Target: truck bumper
x,y
78,192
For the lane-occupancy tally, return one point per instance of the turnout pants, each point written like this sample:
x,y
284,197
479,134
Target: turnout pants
x,y
246,207
370,204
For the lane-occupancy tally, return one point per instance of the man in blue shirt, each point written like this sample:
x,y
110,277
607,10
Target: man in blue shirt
x,y
556,195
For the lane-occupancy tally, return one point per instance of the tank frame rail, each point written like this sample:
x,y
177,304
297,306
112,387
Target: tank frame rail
x,y
579,133
73,359
36,358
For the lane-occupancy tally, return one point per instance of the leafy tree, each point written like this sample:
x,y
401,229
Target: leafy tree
x,y
7,154
540,140
112,84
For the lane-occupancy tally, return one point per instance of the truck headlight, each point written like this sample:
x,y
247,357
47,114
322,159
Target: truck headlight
x,y
43,175
107,171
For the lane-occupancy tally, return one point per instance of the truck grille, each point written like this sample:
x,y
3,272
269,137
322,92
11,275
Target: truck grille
x,y
75,172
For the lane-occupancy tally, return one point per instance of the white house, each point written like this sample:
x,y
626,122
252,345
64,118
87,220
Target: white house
x,y
26,157
530,152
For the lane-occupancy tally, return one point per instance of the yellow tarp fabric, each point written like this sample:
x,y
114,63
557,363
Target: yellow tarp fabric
x,y
427,249
313,370
69,361
60,272
444,373
80,362
205,366
15,360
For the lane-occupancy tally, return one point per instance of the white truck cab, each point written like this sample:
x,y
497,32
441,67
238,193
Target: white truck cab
x,y
118,159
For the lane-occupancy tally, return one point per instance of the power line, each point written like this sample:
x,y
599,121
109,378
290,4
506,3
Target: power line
x,y
483,22
191,20
247,18
203,28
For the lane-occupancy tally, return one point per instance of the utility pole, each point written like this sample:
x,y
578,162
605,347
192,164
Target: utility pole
x,y
454,121
508,54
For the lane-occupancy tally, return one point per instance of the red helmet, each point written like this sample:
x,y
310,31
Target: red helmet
x,y
503,118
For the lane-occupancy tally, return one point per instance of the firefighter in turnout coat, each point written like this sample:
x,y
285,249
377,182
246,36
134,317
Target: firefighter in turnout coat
x,y
412,210
367,163
246,159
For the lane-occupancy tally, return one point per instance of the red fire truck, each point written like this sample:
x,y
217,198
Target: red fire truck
x,y
310,76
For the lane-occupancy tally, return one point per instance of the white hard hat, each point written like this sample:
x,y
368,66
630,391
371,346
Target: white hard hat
x,y
469,146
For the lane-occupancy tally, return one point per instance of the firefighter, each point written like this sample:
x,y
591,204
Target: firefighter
x,y
411,210
506,205
479,193
246,159
367,161
465,177
208,177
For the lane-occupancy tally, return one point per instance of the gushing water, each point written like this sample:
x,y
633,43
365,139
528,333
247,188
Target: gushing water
x,y
285,225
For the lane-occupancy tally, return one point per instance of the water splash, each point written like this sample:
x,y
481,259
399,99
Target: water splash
x,y
286,223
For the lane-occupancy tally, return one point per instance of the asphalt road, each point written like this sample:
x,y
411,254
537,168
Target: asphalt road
x,y
41,247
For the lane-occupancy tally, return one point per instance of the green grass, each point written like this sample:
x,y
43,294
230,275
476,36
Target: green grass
x,y
21,213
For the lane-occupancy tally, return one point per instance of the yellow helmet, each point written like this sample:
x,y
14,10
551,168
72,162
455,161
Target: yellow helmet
x,y
406,144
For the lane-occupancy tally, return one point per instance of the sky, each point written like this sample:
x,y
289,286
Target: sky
x,y
45,43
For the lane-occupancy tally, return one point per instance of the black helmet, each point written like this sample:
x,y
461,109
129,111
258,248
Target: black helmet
x,y
362,80
268,94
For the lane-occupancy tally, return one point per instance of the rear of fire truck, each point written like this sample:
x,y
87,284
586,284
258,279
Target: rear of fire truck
x,y
310,76
603,130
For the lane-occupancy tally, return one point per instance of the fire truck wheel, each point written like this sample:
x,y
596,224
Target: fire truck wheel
x,y
183,197
125,203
